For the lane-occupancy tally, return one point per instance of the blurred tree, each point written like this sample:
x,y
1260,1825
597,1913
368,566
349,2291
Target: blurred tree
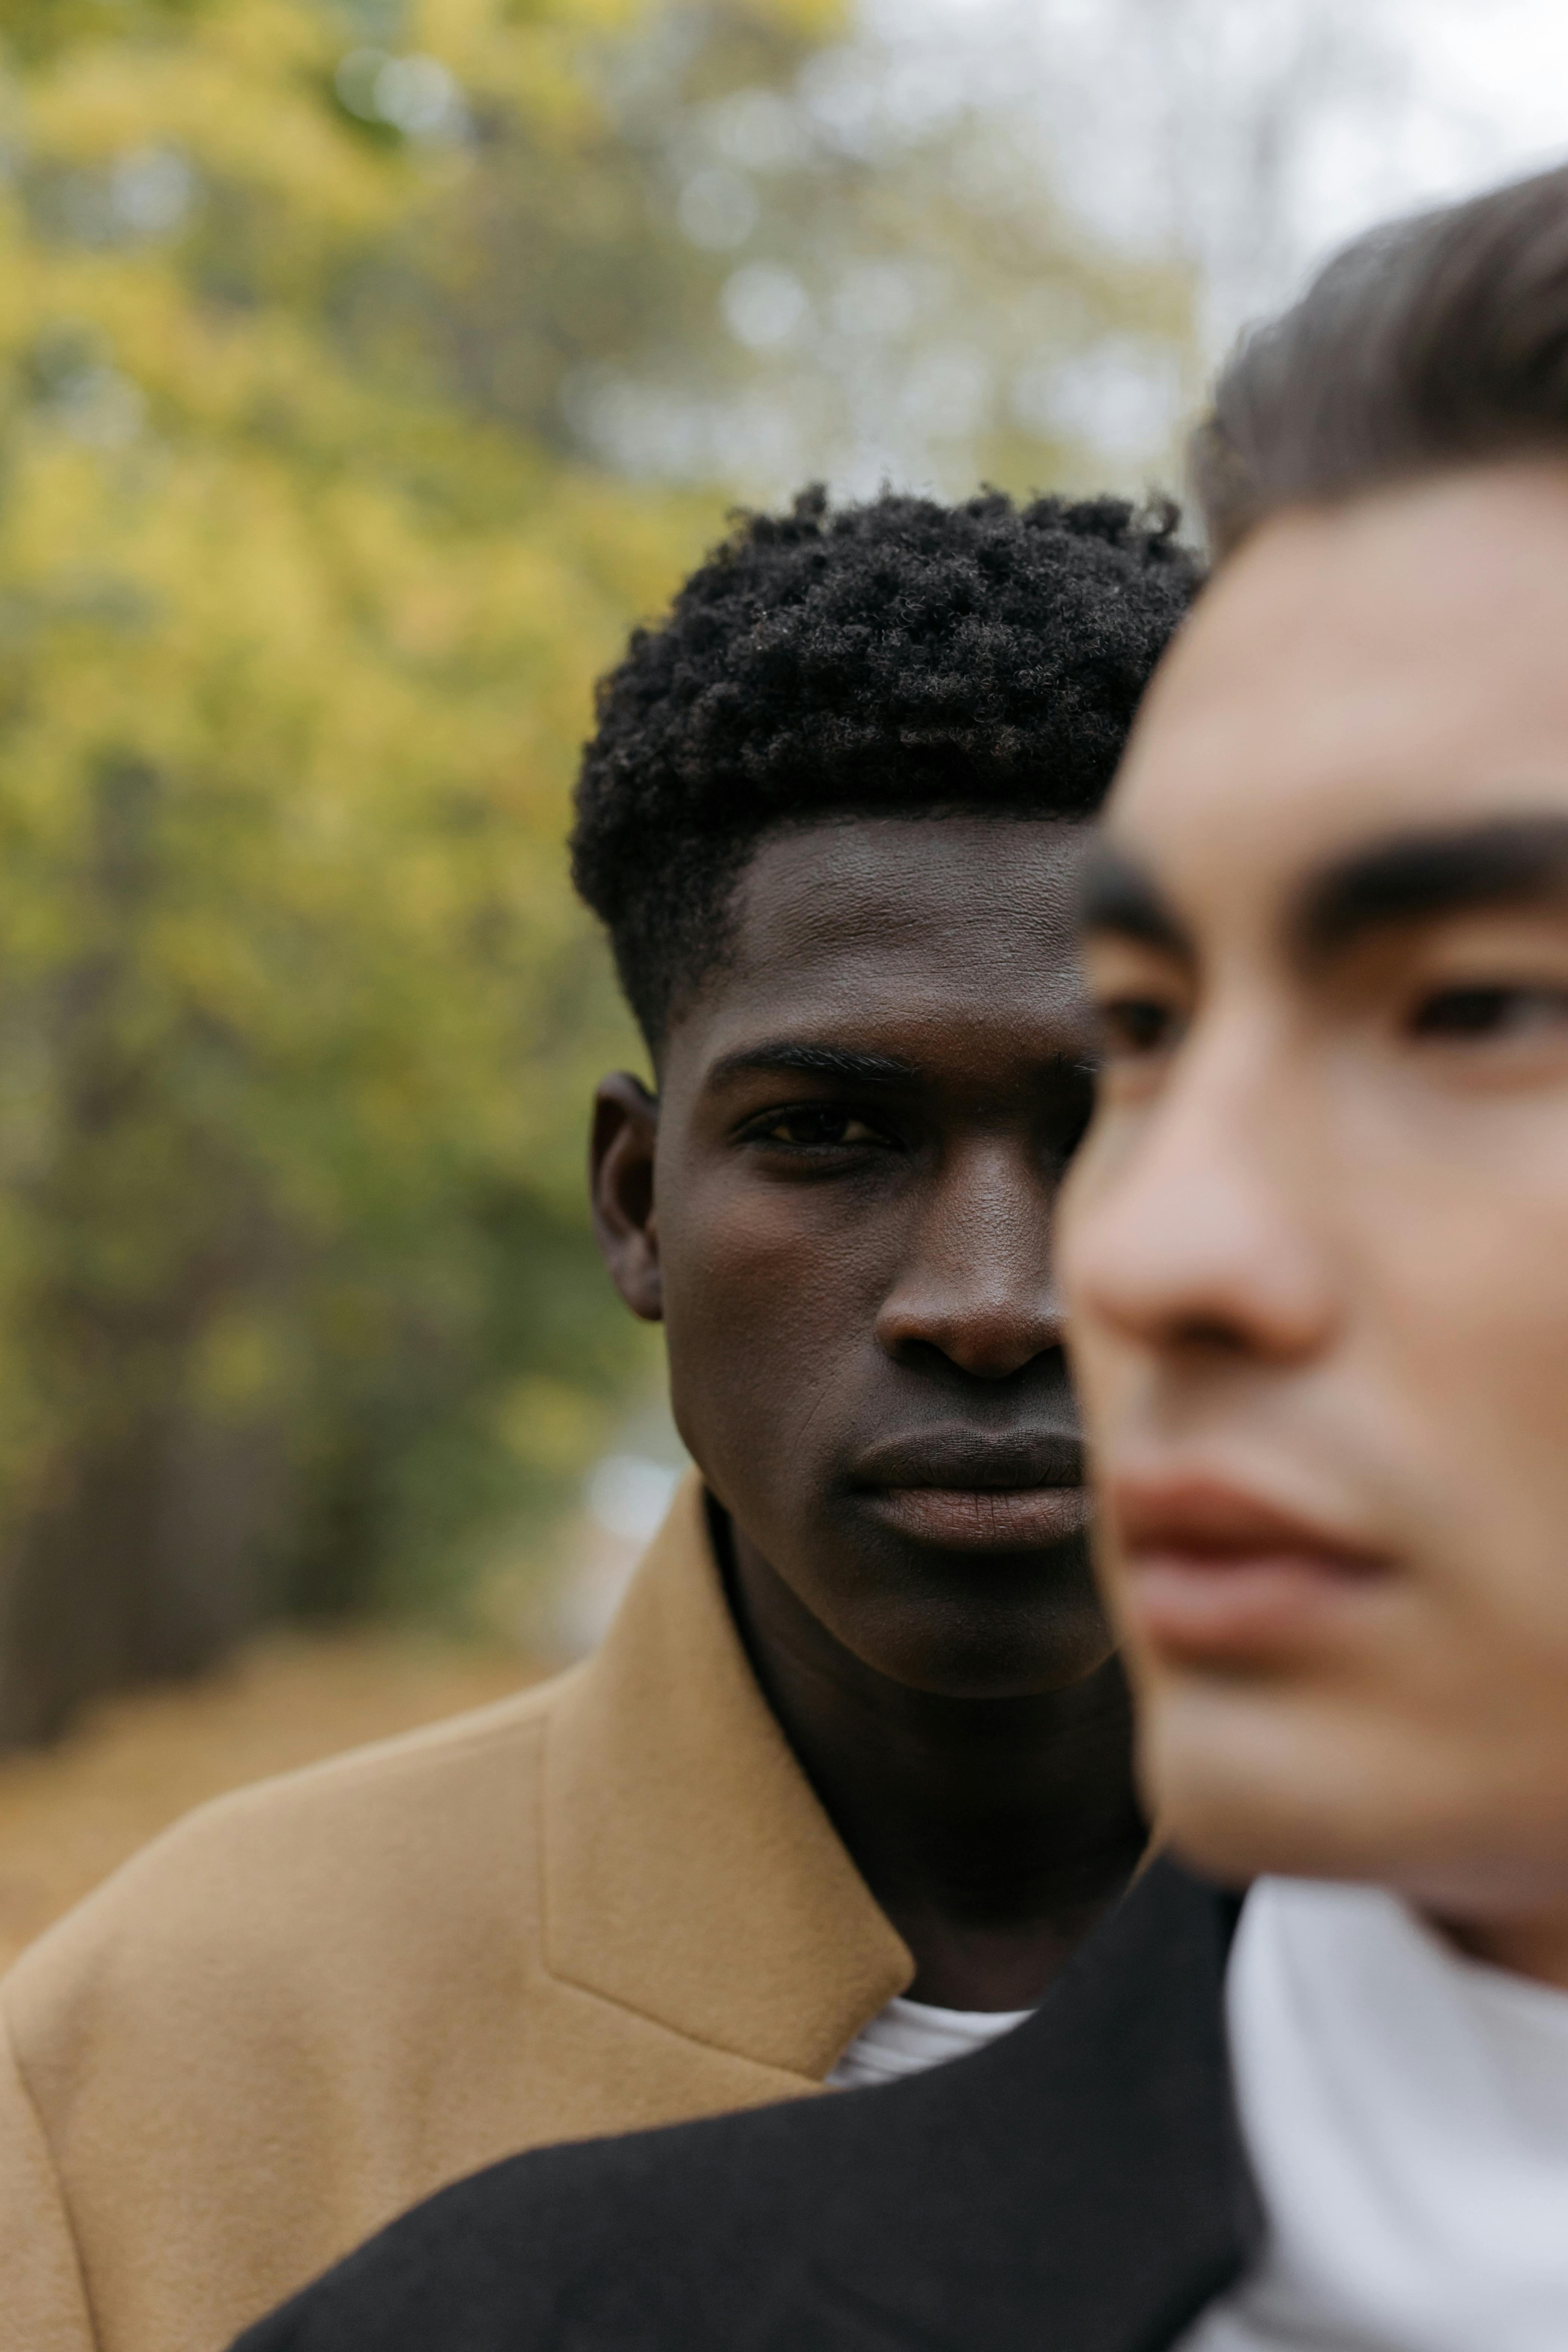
x,y
332,333
295,1294
767,258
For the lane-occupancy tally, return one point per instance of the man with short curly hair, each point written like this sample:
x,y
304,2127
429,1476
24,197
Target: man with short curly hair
x,y
849,1777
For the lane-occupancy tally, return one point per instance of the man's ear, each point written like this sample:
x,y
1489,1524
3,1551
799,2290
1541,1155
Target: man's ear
x,y
620,1186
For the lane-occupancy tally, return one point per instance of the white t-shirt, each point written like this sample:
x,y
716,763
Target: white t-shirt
x,y
908,2036
1405,2110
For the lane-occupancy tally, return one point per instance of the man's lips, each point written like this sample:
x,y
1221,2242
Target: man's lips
x,y
983,1519
1212,1573
1021,1491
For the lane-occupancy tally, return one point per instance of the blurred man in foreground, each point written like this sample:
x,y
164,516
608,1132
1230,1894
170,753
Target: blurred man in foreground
x,y
1317,1248
858,1732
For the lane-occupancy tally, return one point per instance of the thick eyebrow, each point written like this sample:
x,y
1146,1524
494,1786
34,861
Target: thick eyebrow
x,y
1419,877
801,1058
1117,897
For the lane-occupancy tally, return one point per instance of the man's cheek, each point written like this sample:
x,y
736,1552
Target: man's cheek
x,y
773,1268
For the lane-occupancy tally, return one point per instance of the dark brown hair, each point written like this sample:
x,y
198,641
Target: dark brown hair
x,y
1426,344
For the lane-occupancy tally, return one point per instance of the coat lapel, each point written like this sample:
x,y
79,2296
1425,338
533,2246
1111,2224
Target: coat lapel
x,y
691,1873
1079,2187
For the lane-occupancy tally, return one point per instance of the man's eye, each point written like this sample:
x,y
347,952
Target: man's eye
x,y
1490,1011
816,1127
1134,1024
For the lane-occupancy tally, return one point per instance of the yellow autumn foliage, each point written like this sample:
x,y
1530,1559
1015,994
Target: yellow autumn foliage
x,y
296,1011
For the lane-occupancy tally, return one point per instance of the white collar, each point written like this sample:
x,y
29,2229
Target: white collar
x,y
1405,2111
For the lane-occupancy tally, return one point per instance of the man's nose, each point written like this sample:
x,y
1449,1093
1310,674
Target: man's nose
x,y
976,1284
1198,1225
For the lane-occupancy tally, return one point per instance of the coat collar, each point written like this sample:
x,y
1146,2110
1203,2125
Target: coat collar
x,y
1082,2185
691,1873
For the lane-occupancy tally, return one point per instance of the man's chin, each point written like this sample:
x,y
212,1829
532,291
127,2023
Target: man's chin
x,y
1243,1785
969,1651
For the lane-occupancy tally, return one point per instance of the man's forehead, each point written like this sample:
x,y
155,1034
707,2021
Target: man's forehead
x,y
905,893
929,943
1372,669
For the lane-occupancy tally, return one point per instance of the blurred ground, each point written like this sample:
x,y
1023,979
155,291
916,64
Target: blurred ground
x,y
69,1814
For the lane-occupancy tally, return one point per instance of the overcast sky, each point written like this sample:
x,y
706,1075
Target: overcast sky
x,y
1254,134
1242,138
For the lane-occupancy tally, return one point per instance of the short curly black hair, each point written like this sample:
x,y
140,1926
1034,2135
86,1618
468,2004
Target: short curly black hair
x,y
898,658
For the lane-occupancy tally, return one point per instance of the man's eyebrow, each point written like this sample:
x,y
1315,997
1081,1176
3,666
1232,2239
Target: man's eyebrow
x,y
1417,877
802,1059
1117,897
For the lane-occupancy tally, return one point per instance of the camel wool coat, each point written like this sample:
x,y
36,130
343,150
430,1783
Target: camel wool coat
x,y
610,1902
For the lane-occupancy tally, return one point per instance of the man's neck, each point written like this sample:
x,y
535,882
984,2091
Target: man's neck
x,y
993,1832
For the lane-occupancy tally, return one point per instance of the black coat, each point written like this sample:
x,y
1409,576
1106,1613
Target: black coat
x,y
1078,2186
